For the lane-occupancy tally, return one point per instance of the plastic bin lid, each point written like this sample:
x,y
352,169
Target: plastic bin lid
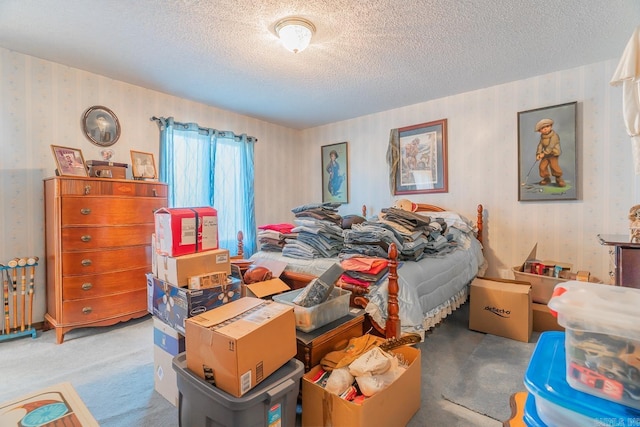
x,y
597,308
530,416
546,378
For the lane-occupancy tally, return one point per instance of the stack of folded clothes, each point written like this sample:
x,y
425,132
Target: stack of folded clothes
x,y
318,229
364,271
272,236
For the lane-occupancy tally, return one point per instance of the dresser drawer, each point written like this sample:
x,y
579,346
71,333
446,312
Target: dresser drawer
x,y
105,210
101,308
86,238
95,285
104,187
98,262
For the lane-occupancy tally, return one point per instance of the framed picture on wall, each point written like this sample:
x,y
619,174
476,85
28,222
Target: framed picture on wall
x,y
335,173
419,163
69,161
547,153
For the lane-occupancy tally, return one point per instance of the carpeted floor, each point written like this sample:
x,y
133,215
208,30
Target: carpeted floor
x,y
111,368
487,376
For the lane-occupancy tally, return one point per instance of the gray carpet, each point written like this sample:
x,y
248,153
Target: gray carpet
x,y
493,372
111,368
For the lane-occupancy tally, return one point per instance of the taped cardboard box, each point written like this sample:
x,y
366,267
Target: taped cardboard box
x,y
393,406
501,307
543,320
182,231
167,343
173,304
238,345
177,270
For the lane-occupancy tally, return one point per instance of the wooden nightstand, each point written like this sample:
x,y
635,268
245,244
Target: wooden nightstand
x,y
314,345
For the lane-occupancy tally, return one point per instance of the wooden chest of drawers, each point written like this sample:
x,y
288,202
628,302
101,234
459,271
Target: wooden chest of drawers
x,y
98,244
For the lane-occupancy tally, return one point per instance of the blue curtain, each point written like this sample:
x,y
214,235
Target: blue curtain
x,y
208,167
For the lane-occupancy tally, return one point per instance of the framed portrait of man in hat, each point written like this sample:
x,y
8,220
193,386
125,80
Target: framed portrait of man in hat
x,y
547,153
335,173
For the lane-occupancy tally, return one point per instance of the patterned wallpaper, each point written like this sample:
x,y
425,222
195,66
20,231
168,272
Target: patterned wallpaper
x,y
41,103
483,168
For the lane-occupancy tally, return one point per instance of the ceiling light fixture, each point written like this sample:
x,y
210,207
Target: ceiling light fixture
x,y
295,33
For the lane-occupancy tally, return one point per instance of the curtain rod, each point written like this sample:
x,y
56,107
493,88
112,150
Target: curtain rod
x,y
162,122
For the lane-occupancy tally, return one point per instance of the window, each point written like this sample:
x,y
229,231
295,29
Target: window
x,y
206,167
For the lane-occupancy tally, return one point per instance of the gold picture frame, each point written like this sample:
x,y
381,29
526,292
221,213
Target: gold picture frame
x,y
143,165
335,173
69,161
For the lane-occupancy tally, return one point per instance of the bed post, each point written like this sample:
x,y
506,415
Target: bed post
x,y
480,223
240,237
392,329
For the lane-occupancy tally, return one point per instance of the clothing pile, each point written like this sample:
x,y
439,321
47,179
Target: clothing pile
x,y
318,229
415,236
360,370
364,271
272,236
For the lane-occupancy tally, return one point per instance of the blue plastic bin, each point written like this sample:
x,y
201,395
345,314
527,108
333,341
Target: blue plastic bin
x,y
557,403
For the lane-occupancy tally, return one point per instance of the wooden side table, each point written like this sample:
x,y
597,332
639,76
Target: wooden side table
x,y
314,345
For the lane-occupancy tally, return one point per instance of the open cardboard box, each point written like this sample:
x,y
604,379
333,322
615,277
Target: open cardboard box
x,y
393,406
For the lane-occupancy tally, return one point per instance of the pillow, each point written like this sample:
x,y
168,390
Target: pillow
x,y
453,219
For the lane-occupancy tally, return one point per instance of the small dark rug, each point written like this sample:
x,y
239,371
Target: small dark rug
x,y
492,373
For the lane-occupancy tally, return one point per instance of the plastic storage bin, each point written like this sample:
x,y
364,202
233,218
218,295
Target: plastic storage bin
x,y
602,339
530,417
270,403
311,318
558,404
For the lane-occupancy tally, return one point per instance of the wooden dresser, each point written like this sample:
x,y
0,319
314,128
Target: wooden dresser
x,y
98,248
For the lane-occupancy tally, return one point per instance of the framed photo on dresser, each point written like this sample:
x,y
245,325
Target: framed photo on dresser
x,y
69,161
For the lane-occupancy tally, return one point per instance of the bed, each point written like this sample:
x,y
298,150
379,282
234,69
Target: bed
x,y
416,295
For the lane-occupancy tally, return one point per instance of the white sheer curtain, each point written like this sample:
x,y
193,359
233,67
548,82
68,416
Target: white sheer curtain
x,y
207,167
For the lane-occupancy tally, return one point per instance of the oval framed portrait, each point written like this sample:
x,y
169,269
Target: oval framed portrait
x,y
101,126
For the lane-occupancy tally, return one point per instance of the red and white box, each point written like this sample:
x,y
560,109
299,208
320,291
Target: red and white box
x,y
182,231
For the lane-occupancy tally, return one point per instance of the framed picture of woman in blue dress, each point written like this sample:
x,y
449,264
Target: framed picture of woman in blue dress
x,y
335,173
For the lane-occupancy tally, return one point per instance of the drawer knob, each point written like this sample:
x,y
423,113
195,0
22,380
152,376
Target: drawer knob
x,y
86,262
86,238
87,189
86,286
87,310
85,211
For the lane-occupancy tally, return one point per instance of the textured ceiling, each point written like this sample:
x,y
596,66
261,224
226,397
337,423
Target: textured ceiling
x,y
366,56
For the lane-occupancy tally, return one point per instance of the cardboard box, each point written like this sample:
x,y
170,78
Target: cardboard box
x,y
393,406
241,343
182,231
501,307
168,343
543,320
265,289
177,270
173,304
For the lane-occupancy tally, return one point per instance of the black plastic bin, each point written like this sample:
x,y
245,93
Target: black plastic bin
x,y
201,404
